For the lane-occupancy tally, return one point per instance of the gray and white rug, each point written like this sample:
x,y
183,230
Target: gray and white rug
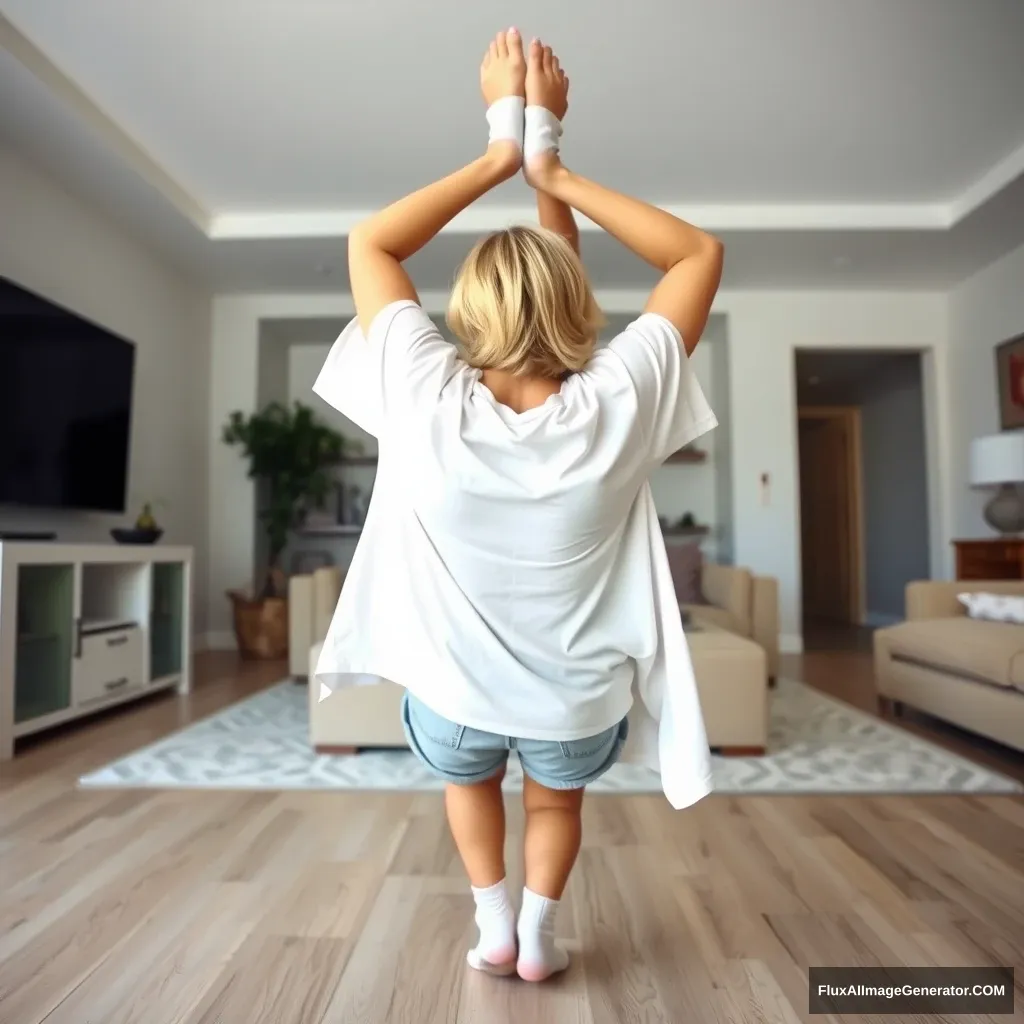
x,y
816,745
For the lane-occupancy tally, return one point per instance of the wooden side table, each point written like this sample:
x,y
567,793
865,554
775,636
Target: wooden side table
x,y
1001,558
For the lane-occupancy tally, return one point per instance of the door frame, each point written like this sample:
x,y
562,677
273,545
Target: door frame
x,y
850,416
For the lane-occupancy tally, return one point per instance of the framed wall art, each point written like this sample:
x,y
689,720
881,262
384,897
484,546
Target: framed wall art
x,y
1010,382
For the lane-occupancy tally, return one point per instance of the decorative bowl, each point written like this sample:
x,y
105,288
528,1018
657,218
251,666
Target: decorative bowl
x,y
130,535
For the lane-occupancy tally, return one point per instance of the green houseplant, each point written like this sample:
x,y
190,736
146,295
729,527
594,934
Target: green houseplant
x,y
289,453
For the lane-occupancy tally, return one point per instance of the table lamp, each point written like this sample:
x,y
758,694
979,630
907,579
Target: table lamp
x,y
998,461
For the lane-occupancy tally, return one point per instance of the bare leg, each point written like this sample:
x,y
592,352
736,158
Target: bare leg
x,y
476,815
553,832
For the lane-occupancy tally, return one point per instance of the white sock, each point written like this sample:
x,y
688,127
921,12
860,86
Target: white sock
x,y
495,953
539,956
505,119
542,131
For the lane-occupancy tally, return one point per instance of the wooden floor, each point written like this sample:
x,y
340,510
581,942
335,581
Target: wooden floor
x,y
288,908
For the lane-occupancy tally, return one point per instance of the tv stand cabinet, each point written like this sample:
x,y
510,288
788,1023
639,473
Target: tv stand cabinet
x,y
86,626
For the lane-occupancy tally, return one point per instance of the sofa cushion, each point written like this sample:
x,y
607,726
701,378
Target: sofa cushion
x,y
716,616
685,562
989,651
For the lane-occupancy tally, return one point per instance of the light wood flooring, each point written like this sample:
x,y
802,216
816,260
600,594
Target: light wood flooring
x,y
135,907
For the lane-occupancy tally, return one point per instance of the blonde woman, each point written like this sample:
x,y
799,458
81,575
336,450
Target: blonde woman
x,y
509,576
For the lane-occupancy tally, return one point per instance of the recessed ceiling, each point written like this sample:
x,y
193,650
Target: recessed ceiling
x,y
831,142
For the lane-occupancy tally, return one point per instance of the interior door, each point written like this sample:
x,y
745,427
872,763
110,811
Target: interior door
x,y
825,520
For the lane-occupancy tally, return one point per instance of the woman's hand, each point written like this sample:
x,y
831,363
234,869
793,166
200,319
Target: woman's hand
x,y
503,72
546,82
546,86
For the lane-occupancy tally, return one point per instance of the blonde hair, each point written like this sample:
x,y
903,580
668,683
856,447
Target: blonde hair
x,y
522,303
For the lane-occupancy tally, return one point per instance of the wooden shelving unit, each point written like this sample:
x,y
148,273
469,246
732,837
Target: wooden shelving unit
x,y
687,455
330,530
686,531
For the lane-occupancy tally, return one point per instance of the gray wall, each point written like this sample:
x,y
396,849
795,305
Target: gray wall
x,y
895,479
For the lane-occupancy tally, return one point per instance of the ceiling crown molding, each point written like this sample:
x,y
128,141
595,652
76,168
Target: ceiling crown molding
x,y
482,218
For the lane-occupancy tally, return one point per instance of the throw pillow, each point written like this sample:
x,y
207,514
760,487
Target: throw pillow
x,y
685,562
994,607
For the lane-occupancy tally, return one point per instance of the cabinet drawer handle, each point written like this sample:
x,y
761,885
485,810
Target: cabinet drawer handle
x,y
116,641
116,684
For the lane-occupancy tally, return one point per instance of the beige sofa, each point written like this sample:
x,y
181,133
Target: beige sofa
x,y
741,603
963,670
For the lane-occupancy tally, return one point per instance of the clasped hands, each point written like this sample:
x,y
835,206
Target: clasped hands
x,y
538,78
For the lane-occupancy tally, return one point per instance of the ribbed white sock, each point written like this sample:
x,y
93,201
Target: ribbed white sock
x,y
541,132
495,953
539,955
505,119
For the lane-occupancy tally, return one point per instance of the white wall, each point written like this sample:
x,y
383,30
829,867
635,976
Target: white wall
x,y
763,329
983,311
58,246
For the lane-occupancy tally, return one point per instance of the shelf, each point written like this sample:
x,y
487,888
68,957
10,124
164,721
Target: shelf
x,y
687,455
330,530
168,680
105,625
686,531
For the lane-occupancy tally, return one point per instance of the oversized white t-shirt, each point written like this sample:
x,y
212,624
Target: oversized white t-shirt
x,y
511,572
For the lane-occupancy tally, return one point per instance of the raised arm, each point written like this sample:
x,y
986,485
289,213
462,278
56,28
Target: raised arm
x,y
689,259
379,245
548,86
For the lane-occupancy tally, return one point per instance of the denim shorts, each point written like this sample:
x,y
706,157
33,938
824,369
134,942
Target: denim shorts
x,y
465,756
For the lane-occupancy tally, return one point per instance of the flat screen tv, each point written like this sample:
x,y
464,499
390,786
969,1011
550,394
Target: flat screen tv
x,y
65,406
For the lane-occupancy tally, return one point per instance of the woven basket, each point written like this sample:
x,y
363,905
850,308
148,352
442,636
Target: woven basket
x,y
261,625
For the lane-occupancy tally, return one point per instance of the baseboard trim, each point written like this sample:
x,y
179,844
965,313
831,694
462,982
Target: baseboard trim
x,y
791,643
222,640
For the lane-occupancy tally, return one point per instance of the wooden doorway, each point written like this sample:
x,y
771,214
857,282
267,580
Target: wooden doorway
x,y
831,518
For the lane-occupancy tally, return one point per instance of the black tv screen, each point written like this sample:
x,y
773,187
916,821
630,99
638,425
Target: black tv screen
x,y
65,406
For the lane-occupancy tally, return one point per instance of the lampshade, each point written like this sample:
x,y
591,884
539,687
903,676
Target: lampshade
x,y
998,459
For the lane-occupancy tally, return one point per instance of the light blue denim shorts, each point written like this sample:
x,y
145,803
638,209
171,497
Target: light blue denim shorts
x,y
465,756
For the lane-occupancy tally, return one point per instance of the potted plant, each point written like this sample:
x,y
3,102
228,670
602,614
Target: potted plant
x,y
289,454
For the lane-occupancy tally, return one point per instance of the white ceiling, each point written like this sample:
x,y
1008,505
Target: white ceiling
x,y
830,142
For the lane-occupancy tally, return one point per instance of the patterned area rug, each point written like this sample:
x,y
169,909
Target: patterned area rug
x,y
817,745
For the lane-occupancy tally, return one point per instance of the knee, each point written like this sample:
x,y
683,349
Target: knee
x,y
538,798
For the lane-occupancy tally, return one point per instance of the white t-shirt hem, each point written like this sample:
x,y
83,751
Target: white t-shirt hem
x,y
435,699
683,796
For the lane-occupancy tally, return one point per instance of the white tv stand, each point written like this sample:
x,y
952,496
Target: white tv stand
x,y
87,626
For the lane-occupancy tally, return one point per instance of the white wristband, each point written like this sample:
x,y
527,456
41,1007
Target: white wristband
x,y
542,131
505,119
